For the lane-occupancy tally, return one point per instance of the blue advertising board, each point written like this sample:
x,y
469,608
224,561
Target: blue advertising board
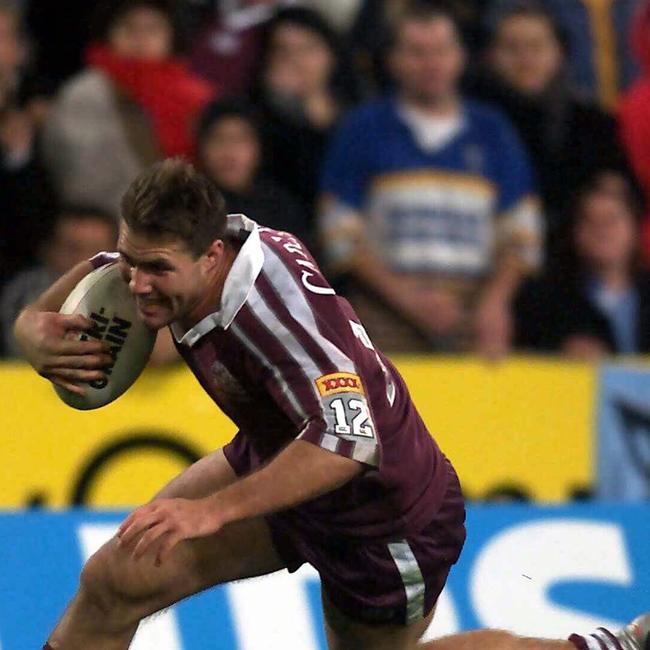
x,y
533,570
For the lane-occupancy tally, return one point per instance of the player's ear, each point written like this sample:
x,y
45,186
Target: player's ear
x,y
214,255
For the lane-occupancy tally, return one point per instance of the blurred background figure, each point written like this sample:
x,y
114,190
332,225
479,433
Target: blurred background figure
x,y
524,73
635,116
371,32
596,302
339,13
231,154
428,203
301,94
133,103
26,200
59,40
76,235
601,64
227,49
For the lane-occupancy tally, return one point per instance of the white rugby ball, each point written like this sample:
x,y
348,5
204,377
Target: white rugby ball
x,y
104,298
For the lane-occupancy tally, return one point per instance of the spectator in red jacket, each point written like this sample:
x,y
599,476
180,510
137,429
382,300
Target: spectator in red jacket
x,y
135,102
635,116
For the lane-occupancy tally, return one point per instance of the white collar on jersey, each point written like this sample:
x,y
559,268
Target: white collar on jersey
x,y
239,282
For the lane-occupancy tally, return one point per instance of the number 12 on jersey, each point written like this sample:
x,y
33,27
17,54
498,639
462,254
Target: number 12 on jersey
x,y
351,417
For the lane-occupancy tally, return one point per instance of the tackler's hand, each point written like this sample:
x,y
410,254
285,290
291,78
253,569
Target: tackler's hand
x,y
49,343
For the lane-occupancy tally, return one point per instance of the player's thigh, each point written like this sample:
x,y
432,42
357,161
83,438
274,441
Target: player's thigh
x,y
240,550
344,633
207,475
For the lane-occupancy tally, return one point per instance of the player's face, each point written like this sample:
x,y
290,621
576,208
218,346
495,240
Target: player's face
x,y
167,280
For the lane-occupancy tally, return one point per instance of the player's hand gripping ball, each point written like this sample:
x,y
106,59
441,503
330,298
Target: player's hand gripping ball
x,y
104,298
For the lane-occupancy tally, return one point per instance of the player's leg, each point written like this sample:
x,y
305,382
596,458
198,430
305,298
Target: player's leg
x,y
635,636
116,592
343,633
493,640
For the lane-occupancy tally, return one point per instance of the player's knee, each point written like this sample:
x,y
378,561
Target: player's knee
x,y
117,601
94,585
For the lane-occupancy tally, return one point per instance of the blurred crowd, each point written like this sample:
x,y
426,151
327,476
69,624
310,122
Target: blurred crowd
x,y
473,175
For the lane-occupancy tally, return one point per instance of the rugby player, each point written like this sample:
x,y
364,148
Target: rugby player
x,y
332,464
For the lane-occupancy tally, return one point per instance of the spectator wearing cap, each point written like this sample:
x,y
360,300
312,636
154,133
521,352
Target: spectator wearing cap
x,y
301,93
428,203
595,300
231,155
134,103
568,137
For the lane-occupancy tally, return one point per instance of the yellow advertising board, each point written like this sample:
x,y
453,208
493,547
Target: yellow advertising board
x,y
522,426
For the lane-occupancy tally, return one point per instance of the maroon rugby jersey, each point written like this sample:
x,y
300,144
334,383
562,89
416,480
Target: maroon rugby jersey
x,y
286,358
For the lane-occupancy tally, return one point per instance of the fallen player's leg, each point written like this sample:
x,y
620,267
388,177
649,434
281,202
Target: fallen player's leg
x,y
635,636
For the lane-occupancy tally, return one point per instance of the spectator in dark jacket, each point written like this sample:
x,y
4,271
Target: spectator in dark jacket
x,y
26,200
230,152
569,139
299,98
597,301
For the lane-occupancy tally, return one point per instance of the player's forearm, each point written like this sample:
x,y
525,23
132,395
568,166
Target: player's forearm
x,y
299,473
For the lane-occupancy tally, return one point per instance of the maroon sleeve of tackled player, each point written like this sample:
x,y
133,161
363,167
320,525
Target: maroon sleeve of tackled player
x,y
103,258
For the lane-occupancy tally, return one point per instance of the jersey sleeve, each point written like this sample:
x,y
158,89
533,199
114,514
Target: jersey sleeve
x,y
312,380
103,258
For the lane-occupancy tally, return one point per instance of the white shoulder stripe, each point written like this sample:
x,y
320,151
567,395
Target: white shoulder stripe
x,y
269,319
292,294
263,359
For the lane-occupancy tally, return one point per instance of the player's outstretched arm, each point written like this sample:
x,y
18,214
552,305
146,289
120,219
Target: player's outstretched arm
x,y
299,473
40,332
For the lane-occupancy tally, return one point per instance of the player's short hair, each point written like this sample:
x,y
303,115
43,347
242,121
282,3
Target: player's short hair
x,y
172,199
424,11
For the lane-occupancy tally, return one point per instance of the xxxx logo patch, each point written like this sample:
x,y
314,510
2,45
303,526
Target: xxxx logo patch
x,y
339,382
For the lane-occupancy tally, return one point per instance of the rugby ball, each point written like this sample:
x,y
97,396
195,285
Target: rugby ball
x,y
104,298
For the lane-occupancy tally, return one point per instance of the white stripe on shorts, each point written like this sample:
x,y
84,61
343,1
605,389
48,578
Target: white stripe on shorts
x,y
411,578
593,643
606,640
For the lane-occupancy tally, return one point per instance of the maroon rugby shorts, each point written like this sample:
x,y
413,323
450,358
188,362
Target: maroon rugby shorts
x,y
392,583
